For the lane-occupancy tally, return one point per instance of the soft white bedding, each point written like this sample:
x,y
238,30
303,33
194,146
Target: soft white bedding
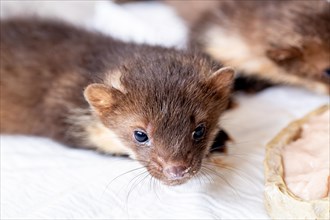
x,y
41,179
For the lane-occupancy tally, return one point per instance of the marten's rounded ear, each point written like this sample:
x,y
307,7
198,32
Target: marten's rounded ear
x,y
279,55
222,79
99,97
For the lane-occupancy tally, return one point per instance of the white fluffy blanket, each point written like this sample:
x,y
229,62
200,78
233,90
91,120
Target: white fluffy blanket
x,y
41,179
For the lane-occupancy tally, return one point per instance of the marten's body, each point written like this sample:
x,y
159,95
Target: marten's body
x,y
84,89
45,67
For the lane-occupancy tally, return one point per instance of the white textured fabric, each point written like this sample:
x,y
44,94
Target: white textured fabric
x,y
41,179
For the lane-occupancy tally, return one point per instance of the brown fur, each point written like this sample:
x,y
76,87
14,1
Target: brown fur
x,y
280,41
46,66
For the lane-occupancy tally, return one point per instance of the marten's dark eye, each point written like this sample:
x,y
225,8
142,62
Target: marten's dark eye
x,y
327,72
199,132
140,136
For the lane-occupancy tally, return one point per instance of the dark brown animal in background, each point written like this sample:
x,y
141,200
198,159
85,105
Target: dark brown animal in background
x,y
160,106
279,41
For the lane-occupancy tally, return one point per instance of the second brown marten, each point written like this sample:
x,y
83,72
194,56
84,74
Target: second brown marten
x,y
285,42
160,106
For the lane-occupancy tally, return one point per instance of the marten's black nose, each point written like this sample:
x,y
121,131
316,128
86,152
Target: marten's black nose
x,y
175,172
327,72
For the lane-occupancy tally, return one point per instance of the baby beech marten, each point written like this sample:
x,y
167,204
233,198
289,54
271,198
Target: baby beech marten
x,y
160,106
280,41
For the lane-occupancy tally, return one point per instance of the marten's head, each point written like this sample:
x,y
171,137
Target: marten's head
x,y
165,107
299,44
